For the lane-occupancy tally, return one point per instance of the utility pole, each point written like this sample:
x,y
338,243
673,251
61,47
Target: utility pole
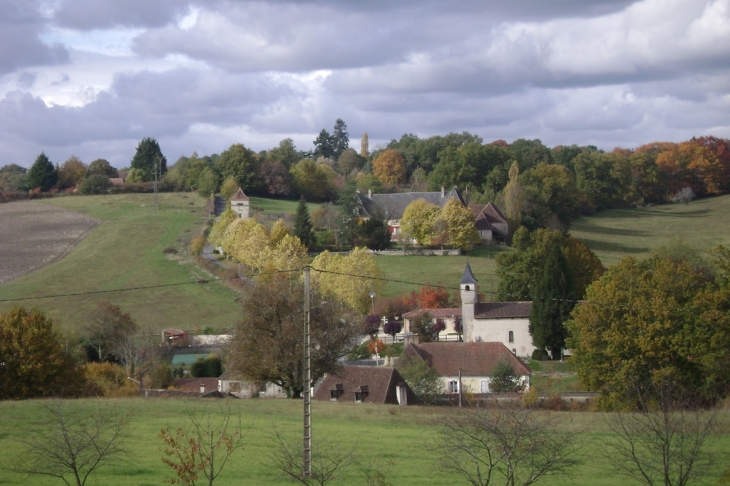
x,y
307,381
154,184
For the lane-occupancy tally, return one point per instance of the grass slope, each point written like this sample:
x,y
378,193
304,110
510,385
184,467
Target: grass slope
x,y
398,441
617,233
439,270
126,250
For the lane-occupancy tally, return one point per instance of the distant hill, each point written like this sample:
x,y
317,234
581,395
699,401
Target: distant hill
x,y
617,233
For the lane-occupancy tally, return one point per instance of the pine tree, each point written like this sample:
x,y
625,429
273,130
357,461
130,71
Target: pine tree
x,y
303,225
552,303
42,174
146,158
340,138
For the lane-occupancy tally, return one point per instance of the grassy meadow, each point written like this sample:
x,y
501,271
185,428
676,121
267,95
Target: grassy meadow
x,y
617,233
398,441
126,250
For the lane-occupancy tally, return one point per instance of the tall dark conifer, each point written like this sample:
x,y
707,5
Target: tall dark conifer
x,y
552,303
340,138
42,174
303,224
147,155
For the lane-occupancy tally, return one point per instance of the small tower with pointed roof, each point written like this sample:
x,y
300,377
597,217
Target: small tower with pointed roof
x,y
239,204
469,301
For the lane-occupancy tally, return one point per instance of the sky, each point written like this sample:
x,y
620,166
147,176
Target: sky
x,y
92,78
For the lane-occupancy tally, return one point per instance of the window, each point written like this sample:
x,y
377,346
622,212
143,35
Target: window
x,y
484,386
467,288
453,386
511,336
333,395
358,397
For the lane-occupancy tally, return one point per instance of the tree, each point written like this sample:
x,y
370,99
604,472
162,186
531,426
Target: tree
x,y
42,173
349,161
552,198
364,146
313,181
433,297
220,226
664,441
530,153
278,231
106,326
324,145
520,269
460,229
242,164
286,153
641,321
349,211
75,439
504,379
505,445
303,225
328,459
101,167
514,199
229,187
348,278
135,175
33,362
371,325
553,300
203,449
71,172
210,367
392,327
268,343
276,178
390,167
148,158
373,233
417,221
423,380
340,138
427,329
208,182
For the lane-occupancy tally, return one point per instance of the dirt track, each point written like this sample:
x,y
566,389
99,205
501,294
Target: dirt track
x,y
33,234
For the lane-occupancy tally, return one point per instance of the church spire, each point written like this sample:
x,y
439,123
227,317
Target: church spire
x,y
468,277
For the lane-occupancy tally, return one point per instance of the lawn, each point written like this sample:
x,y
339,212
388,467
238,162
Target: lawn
x,y
617,233
126,251
398,441
439,270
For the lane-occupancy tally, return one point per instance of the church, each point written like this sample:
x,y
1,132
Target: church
x,y
503,322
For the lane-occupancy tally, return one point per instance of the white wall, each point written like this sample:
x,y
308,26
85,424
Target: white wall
x,y
497,330
473,384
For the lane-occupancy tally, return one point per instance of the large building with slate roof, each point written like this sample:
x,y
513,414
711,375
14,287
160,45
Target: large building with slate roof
x,y
390,207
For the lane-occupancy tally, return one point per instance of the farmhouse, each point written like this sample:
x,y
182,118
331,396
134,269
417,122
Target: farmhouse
x,y
390,207
365,384
240,204
471,363
490,222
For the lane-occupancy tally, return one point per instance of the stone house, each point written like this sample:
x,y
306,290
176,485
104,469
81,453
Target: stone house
x,y
365,384
472,364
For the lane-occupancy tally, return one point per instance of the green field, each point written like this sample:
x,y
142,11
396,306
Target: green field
x,y
397,440
617,233
126,251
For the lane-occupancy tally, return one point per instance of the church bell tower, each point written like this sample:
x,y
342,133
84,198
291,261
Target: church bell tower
x,y
469,300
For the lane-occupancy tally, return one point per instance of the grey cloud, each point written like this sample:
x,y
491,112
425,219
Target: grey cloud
x,y
20,45
26,79
144,104
102,14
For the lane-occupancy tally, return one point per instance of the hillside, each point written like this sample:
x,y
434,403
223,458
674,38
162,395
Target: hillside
x,y
126,250
617,233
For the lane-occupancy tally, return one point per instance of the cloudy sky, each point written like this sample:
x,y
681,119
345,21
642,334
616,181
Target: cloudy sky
x,y
93,77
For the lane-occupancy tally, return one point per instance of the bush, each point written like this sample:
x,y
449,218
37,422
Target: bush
x,y
161,377
95,184
197,244
211,367
110,380
540,355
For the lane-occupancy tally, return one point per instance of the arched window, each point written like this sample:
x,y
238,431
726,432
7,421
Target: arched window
x,y
511,337
467,288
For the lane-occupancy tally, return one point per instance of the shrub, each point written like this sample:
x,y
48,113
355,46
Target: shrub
x,y
110,380
197,244
540,355
95,184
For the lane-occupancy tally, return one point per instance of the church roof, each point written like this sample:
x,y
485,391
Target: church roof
x,y
239,196
438,313
468,277
502,310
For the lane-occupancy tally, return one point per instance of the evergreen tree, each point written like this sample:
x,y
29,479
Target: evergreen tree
x,y
146,158
43,174
303,225
552,304
348,202
504,379
340,138
324,145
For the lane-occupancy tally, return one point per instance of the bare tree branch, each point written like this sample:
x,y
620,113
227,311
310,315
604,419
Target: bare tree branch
x,y
328,460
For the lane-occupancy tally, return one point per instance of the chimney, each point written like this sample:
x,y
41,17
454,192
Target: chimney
x,y
370,193
443,191
202,388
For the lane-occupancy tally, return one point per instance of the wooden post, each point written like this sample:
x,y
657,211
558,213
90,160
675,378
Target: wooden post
x,y
306,382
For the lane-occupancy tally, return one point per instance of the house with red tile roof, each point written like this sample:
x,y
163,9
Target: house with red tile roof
x,y
472,364
365,384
